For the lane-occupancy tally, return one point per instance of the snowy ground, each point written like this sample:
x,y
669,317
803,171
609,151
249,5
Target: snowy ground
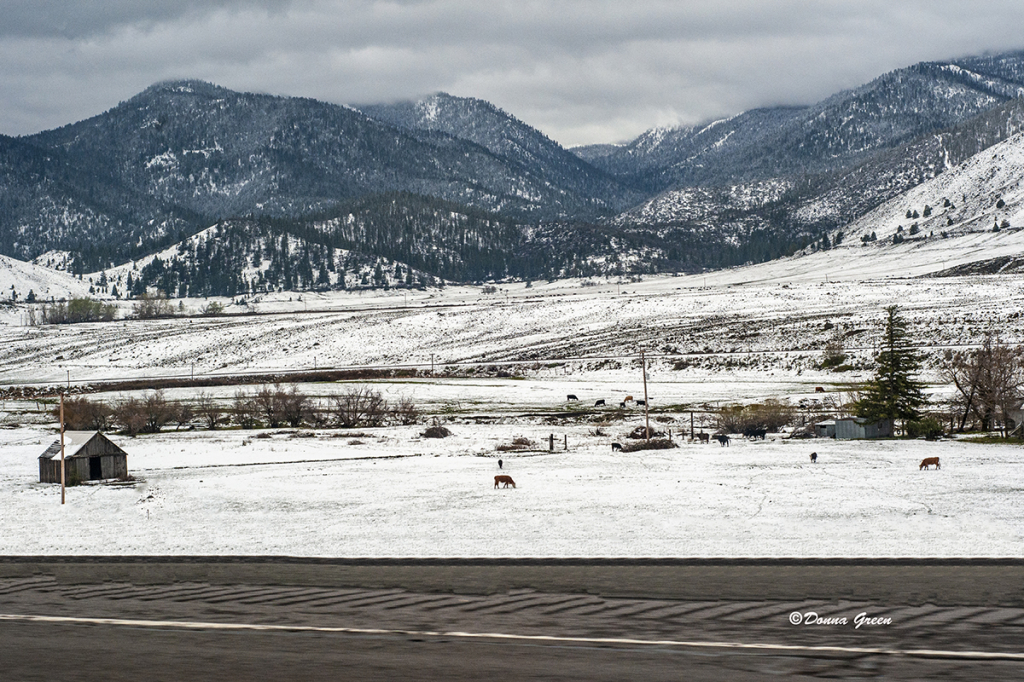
x,y
389,492
742,335
772,319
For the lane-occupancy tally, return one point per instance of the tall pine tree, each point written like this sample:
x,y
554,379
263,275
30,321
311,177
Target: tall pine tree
x,y
893,394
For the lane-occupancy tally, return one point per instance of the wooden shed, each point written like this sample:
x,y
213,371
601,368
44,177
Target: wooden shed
x,y
88,456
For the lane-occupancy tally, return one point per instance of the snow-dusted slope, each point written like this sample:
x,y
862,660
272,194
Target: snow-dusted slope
x,y
977,196
19,278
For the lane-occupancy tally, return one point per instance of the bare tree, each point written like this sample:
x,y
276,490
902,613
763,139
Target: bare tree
x,y
359,407
209,410
988,382
294,405
82,414
405,412
182,414
157,410
131,415
269,405
245,409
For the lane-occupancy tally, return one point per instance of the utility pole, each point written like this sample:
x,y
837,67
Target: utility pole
x,y
62,448
647,416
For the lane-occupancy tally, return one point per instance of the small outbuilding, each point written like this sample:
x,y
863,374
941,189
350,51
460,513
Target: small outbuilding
x,y
88,456
853,428
825,429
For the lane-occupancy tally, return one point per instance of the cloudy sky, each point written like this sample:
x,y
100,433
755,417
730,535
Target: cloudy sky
x,y
582,71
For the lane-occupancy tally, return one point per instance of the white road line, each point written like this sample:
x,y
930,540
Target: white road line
x,y
256,627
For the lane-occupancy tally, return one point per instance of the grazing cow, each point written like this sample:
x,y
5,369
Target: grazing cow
x,y
622,406
507,480
819,389
703,437
628,398
641,402
599,403
756,433
814,457
571,397
928,461
616,446
722,439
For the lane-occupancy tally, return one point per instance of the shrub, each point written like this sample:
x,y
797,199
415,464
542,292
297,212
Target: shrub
x,y
652,444
78,310
929,427
212,308
770,415
149,306
436,431
518,443
641,432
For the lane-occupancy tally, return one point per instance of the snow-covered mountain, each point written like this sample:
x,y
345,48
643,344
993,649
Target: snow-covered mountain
x,y
456,189
836,133
182,154
505,136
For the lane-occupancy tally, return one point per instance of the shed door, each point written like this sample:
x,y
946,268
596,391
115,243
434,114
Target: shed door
x,y
95,468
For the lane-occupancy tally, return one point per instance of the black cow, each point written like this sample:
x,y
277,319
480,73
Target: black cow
x,y
641,402
616,446
756,433
598,403
722,439
622,406
571,397
814,457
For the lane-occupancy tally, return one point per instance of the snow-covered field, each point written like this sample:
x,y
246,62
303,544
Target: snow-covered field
x,y
389,492
778,311
742,334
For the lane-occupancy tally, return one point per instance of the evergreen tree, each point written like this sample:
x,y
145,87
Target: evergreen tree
x,y
893,394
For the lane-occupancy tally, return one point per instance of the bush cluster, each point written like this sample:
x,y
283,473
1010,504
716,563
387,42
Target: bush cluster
x,y
78,310
770,415
269,406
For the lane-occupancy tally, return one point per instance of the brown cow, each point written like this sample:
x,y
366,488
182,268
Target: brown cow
x,y
927,461
819,389
504,479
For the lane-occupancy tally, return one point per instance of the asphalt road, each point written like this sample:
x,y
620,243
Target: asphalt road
x,y
73,619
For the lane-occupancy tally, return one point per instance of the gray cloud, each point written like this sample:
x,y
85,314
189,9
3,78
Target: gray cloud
x,y
580,70
82,18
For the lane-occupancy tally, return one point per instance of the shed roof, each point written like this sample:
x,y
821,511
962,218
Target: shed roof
x,y
74,441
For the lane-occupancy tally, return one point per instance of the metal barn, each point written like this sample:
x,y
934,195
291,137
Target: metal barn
x,y
852,428
88,456
825,429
